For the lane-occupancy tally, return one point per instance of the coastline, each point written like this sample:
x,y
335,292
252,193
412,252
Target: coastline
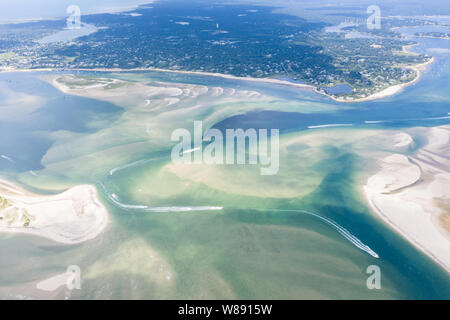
x,y
395,89
113,10
71,217
406,193
390,91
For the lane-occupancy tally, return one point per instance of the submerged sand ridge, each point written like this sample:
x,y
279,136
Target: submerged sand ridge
x,y
410,193
71,217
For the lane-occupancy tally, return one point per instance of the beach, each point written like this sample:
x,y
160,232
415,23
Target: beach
x,y
390,91
161,237
412,195
71,217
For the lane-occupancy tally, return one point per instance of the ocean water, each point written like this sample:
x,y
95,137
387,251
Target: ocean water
x,y
305,233
51,9
32,109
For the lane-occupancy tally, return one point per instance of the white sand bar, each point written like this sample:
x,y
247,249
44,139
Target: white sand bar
x,y
73,216
412,194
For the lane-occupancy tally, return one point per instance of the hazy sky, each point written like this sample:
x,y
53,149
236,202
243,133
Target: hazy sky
x,y
12,10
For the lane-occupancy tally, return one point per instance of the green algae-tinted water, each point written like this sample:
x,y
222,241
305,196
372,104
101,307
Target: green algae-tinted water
x,y
305,233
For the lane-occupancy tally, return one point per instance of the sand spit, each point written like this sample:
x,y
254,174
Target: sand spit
x,y
392,90
412,194
403,139
71,217
157,92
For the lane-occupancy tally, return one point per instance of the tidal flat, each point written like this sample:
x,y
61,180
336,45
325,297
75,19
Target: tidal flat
x,y
202,231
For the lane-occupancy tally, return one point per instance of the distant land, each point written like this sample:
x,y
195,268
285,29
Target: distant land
x,y
347,62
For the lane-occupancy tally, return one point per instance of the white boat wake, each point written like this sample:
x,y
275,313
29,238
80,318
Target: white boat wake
x,y
400,120
114,198
342,231
346,234
331,125
130,165
7,158
183,209
190,151
377,121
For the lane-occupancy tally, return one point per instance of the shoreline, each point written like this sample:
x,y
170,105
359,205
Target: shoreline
x,y
395,89
397,229
114,10
404,193
389,91
71,217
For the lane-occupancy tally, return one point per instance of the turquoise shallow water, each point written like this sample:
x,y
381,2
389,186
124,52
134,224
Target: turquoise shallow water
x,y
317,245
27,130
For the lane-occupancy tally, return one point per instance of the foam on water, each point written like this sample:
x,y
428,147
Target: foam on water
x,y
114,198
184,209
330,125
413,119
190,150
7,158
130,165
346,234
341,230
377,121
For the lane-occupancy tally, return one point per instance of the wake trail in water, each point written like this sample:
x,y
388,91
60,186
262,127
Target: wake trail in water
x,y
183,209
127,166
330,125
378,121
190,151
7,158
341,230
114,198
402,120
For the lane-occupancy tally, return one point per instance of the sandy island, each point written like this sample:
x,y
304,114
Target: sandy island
x,y
412,195
71,217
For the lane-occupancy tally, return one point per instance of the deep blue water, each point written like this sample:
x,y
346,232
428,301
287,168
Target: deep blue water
x,y
26,139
